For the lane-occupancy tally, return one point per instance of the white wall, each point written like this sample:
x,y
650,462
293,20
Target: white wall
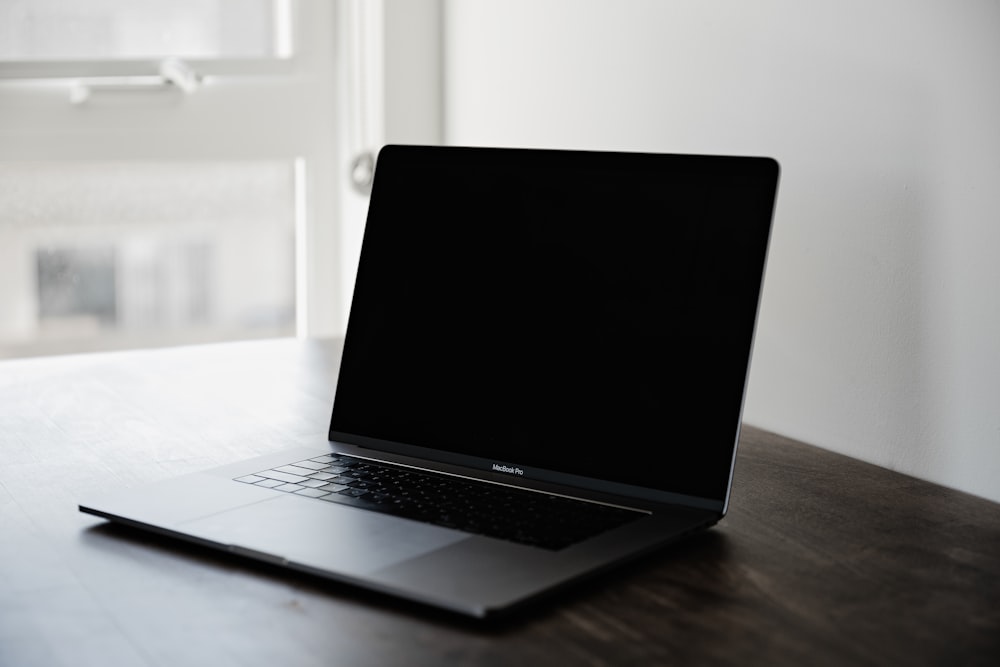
x,y
880,329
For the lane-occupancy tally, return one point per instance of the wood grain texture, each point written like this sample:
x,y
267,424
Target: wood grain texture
x,y
822,560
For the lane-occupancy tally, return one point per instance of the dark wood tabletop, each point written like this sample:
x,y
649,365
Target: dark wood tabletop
x,y
822,560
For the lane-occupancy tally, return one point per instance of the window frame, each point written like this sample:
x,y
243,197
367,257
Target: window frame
x,y
13,70
38,122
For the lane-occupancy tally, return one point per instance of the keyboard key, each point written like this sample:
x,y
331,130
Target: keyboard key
x,y
333,488
283,476
250,479
289,487
312,465
342,479
313,493
295,470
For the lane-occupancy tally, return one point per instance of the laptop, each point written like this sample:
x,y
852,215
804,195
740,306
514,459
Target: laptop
x,y
542,377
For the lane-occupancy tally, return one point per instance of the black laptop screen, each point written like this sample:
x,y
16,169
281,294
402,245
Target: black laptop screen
x,y
567,312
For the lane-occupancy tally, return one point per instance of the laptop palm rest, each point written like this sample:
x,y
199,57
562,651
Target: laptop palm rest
x,y
342,540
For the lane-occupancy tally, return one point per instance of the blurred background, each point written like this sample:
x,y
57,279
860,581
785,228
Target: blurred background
x,y
184,171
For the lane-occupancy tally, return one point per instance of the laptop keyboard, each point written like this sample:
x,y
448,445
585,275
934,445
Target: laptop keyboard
x,y
525,517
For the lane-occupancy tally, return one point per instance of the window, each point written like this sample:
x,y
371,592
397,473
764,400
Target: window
x,y
117,254
159,172
62,36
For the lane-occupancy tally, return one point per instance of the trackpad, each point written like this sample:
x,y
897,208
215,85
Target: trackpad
x,y
342,540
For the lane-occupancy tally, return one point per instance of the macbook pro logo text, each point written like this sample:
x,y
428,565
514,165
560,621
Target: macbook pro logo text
x,y
507,469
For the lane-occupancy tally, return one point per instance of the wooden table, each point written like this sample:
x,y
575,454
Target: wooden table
x,y
822,560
